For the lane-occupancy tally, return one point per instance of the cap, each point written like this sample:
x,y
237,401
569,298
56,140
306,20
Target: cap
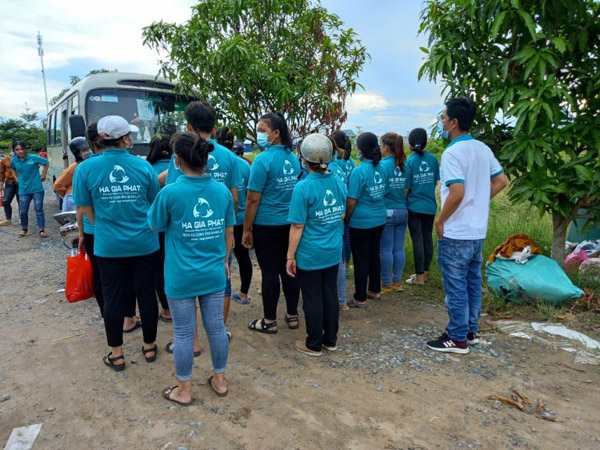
x,y
239,147
78,145
114,127
316,148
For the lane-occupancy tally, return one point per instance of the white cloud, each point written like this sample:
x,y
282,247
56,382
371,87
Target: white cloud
x,y
109,31
366,101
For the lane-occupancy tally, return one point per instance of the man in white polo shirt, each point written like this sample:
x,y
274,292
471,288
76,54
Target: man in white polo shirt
x,y
471,176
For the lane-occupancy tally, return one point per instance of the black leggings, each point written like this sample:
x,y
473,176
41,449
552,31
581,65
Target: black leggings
x,y
421,229
88,242
271,244
160,273
243,258
119,277
365,244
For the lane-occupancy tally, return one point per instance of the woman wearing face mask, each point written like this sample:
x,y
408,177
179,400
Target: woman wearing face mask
x,y
392,239
63,185
273,176
27,170
366,217
115,192
424,175
197,215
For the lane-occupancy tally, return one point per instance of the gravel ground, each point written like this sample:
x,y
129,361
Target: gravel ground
x,y
382,389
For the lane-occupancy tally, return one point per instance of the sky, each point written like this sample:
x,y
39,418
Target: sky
x,y
78,36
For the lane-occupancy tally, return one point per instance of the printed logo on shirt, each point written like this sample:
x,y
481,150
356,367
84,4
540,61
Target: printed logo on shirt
x,y
202,209
212,163
425,174
424,167
377,178
288,169
118,175
288,181
329,199
397,171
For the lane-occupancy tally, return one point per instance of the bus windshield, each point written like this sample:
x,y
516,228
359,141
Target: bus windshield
x,y
151,112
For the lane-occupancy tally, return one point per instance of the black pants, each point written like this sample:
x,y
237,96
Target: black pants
x,y
88,242
160,273
11,190
365,245
119,276
270,244
320,304
243,258
421,228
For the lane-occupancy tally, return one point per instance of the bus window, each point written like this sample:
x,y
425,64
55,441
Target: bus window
x,y
74,105
57,128
49,129
151,112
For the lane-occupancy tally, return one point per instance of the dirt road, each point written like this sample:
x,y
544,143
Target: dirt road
x,y
382,390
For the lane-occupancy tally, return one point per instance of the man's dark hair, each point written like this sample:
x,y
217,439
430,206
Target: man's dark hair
x,y
463,109
201,116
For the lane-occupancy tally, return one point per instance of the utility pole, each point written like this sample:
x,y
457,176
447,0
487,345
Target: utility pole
x,y
41,53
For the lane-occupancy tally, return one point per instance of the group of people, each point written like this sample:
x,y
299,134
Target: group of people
x,y
169,226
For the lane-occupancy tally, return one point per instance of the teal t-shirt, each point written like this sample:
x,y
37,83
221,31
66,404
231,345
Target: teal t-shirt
x,y
274,173
29,173
120,187
368,186
397,180
193,212
349,166
335,168
88,227
319,202
161,165
244,171
221,165
425,173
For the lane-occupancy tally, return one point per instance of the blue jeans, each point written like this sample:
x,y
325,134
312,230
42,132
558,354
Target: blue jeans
x,y
392,246
68,204
184,323
341,284
460,263
38,202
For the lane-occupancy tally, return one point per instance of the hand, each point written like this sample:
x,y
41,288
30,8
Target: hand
x,y
290,267
247,239
80,244
227,273
439,228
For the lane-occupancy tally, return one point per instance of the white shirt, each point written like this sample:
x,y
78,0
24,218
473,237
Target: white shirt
x,y
471,162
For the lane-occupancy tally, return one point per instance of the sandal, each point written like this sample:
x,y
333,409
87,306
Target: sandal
x,y
344,307
412,280
110,362
150,359
262,327
171,345
292,322
164,318
236,297
219,394
138,324
166,393
43,234
373,297
23,233
355,304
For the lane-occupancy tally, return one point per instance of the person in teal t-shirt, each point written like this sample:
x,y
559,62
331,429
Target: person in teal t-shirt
x,y
27,170
393,256
115,192
315,247
366,217
346,163
197,215
422,206
273,176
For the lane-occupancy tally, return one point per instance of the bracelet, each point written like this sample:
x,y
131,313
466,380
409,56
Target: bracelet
x,y
290,259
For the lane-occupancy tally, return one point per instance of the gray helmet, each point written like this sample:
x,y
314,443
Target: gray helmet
x,y
317,148
78,145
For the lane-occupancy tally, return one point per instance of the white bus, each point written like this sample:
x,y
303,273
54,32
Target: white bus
x,y
146,101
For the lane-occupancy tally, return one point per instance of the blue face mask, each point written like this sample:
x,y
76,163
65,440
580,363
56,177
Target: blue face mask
x,y
261,139
443,133
360,157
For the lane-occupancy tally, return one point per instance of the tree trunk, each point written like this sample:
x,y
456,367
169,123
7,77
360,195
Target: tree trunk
x,y
560,224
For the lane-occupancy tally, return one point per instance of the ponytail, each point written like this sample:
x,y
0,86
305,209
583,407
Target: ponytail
x,y
376,155
417,139
395,142
192,149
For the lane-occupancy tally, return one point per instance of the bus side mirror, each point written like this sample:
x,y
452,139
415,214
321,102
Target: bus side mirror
x,y
77,126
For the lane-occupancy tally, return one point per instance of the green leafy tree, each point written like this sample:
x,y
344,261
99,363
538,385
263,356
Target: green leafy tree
x,y
248,57
30,118
19,130
533,68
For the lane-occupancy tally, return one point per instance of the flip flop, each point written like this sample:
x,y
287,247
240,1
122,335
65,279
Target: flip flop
x,y
240,300
355,304
166,393
43,234
138,324
21,234
219,394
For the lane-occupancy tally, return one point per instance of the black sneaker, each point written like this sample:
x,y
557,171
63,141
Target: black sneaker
x,y
447,345
473,339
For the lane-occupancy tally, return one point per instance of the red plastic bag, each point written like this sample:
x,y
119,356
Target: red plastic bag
x,y
80,278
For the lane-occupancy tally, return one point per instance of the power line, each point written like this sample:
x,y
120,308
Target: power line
x,y
41,53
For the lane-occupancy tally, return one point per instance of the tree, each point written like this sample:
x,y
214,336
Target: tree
x,y
248,57
533,68
74,79
19,130
30,118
